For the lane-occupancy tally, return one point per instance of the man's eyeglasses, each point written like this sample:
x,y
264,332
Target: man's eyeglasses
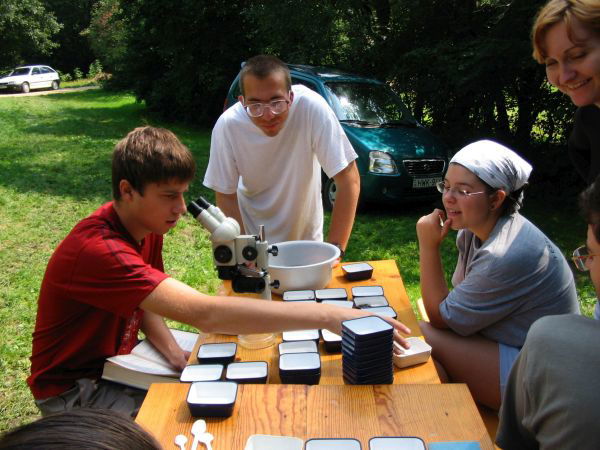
x,y
580,257
459,193
258,109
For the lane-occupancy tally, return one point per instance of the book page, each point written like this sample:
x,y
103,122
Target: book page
x,y
146,350
185,339
138,364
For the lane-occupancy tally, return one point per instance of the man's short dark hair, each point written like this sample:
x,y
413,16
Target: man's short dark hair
x,y
261,66
589,203
150,155
96,429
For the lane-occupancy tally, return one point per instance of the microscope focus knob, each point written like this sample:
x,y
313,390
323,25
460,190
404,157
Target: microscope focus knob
x,y
223,254
249,253
273,250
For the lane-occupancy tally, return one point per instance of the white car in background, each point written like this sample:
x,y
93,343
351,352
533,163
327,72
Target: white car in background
x,y
25,78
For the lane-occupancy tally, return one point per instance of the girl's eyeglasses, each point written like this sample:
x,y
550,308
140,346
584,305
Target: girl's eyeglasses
x,y
459,193
580,257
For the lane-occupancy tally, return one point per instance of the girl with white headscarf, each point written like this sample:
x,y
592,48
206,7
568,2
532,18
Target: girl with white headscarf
x,y
508,273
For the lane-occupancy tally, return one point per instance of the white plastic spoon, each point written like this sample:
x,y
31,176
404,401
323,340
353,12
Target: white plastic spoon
x,y
206,439
198,427
181,440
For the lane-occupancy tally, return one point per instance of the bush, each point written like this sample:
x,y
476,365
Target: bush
x,y
64,76
95,69
174,62
77,73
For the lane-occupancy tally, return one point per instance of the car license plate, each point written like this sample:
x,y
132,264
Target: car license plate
x,y
419,183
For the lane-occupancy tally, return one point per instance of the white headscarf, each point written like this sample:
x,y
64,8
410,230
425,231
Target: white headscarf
x,y
497,165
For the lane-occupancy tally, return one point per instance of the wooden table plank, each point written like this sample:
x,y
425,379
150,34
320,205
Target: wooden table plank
x,y
341,412
280,408
386,274
426,411
434,412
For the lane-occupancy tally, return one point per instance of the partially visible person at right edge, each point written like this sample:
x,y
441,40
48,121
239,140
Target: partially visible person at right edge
x,y
566,39
552,398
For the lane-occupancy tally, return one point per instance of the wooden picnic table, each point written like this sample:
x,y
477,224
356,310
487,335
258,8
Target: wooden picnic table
x,y
433,412
385,273
415,405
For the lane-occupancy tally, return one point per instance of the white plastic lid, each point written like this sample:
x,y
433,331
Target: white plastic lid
x,y
300,335
212,393
328,336
367,325
366,291
220,350
396,443
299,295
298,347
201,372
332,444
299,361
245,370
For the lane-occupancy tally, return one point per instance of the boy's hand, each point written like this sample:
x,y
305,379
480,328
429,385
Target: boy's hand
x,y
179,359
342,314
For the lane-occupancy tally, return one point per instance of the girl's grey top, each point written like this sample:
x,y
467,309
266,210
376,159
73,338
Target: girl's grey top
x,y
503,285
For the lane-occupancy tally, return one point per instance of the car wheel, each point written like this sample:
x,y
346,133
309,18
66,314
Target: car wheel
x,y
55,85
329,193
25,88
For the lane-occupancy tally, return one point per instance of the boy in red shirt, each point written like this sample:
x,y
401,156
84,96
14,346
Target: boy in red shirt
x,y
105,282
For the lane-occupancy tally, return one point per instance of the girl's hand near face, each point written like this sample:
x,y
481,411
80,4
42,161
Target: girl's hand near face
x,y
432,229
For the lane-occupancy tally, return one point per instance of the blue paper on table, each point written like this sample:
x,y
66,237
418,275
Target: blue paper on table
x,y
456,445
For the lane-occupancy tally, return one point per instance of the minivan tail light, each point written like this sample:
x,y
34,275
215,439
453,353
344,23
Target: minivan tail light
x,y
382,162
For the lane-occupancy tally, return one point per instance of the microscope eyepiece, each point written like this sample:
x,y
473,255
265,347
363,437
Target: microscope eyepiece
x,y
200,201
194,209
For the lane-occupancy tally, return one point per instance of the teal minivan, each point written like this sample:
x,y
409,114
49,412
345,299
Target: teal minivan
x,y
398,159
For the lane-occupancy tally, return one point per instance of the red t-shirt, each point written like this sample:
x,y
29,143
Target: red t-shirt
x,y
88,307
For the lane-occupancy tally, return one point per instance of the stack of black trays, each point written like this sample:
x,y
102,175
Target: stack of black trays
x,y
367,351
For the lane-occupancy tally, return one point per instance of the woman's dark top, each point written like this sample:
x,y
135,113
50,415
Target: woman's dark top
x,y
584,142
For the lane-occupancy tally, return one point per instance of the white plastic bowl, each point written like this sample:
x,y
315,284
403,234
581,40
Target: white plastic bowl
x,y
302,265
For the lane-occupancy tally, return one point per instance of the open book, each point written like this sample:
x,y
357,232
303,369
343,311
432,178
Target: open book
x,y
145,364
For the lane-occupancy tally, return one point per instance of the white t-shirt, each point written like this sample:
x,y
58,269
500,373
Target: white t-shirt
x,y
278,179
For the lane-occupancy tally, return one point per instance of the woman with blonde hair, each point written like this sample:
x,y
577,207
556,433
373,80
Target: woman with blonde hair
x,y
566,39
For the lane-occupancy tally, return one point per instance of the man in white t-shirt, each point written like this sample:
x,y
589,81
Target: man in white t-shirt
x,y
266,156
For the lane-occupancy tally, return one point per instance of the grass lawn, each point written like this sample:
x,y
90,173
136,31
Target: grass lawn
x,y
78,83
55,169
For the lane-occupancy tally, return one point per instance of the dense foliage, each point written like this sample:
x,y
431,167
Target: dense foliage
x,y
177,56
73,48
26,30
45,32
107,34
463,66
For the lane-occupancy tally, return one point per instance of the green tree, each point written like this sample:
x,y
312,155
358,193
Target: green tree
x,y
27,29
73,48
181,62
107,34
464,66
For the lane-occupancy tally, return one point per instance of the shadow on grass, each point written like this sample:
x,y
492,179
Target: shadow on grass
x,y
70,155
